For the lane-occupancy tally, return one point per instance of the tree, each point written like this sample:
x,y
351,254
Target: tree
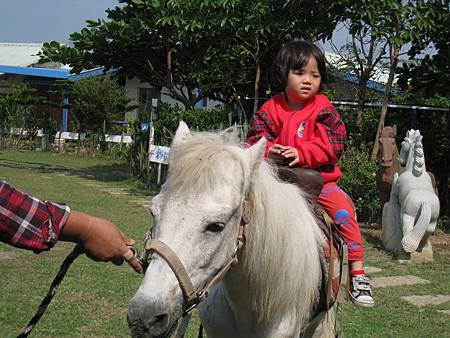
x,y
17,109
400,24
361,57
95,102
219,49
429,76
426,81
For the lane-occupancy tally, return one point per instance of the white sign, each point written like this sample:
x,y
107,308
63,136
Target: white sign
x,y
159,154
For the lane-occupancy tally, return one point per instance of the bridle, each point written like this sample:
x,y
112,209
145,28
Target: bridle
x,y
191,297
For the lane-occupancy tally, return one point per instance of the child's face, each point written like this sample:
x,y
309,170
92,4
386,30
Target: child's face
x,y
304,83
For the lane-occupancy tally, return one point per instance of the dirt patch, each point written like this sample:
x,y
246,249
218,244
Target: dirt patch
x,y
374,231
440,239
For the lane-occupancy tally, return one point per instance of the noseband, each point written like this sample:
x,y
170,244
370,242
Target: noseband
x,y
192,297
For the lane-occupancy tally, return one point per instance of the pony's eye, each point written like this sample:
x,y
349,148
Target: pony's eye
x,y
215,227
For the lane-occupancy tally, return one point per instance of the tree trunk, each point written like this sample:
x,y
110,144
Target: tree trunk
x,y
386,96
362,89
257,78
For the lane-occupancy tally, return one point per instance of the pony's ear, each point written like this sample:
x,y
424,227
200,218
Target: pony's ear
x,y
230,134
256,154
181,134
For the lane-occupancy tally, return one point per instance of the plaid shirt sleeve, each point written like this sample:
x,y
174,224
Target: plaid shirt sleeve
x,y
334,128
27,222
261,126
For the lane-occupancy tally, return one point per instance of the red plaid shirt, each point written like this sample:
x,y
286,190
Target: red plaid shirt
x,y
27,222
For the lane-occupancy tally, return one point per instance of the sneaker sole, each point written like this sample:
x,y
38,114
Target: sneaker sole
x,y
361,304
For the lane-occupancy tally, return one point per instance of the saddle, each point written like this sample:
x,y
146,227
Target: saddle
x,y
335,264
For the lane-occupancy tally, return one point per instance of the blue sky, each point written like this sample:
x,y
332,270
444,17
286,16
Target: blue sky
x,y
47,20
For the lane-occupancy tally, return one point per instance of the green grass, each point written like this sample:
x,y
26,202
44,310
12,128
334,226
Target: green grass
x,y
93,298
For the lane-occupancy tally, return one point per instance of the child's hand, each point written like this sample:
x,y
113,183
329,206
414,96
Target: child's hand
x,y
276,149
290,153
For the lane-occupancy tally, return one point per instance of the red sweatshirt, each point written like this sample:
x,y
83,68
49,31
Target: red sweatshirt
x,y
316,131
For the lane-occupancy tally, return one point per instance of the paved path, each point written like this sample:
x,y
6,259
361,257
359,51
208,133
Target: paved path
x,y
399,281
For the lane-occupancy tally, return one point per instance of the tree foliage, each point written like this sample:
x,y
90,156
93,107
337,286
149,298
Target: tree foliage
x,y
221,49
398,23
430,76
95,102
17,110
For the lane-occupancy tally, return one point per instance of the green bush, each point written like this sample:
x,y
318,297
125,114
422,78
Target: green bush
x,y
165,122
200,119
358,181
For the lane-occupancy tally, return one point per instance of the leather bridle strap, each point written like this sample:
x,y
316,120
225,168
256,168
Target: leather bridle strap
x,y
191,297
189,294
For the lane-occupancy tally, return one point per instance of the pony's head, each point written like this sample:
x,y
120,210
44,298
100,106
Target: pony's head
x,y
387,149
197,215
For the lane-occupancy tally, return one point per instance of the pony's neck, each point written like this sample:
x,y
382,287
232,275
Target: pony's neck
x,y
279,271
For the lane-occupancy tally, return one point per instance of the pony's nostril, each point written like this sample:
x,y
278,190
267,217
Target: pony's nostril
x,y
158,320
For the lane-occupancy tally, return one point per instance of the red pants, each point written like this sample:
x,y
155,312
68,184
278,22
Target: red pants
x,y
341,208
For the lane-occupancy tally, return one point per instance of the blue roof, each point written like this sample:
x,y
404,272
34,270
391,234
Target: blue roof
x,y
35,71
54,73
370,83
90,73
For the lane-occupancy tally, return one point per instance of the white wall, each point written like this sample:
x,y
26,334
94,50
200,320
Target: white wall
x,y
132,87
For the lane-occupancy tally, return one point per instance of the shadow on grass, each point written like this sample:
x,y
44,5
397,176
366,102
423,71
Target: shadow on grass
x,y
373,237
42,167
107,173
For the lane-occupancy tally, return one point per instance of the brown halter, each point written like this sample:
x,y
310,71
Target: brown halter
x,y
192,297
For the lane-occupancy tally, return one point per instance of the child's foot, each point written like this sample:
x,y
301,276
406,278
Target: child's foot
x,y
360,292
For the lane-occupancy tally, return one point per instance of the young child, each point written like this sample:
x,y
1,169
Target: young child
x,y
303,127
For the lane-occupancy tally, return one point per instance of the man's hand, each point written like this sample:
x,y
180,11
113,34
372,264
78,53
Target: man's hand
x,y
101,239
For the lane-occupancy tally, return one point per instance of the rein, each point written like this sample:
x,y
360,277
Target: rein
x,y
52,290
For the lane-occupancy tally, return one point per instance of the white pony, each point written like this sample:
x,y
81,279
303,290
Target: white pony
x,y
274,289
413,209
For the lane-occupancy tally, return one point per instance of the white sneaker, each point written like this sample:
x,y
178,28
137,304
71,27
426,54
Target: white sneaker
x,y
360,292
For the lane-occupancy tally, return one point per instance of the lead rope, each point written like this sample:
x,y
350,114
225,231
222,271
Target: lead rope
x,y
52,291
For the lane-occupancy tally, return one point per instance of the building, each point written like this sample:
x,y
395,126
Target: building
x,y
19,64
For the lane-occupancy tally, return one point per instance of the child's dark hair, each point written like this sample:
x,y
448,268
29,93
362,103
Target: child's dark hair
x,y
294,55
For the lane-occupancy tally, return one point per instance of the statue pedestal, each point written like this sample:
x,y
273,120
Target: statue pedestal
x,y
424,255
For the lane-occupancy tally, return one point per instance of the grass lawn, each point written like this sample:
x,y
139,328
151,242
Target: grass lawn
x,y
93,298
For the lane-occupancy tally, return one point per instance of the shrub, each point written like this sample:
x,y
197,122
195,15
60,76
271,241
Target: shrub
x,y
165,122
358,181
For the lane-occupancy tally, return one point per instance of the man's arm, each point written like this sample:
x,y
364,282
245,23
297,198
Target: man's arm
x,y
29,223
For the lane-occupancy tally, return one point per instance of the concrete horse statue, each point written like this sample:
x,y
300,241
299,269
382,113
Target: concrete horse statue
x,y
273,290
410,215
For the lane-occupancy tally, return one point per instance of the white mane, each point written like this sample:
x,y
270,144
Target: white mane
x,y
284,248
281,257
413,155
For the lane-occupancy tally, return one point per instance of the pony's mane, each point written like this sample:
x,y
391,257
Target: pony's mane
x,y
281,259
415,157
201,162
284,249
419,159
